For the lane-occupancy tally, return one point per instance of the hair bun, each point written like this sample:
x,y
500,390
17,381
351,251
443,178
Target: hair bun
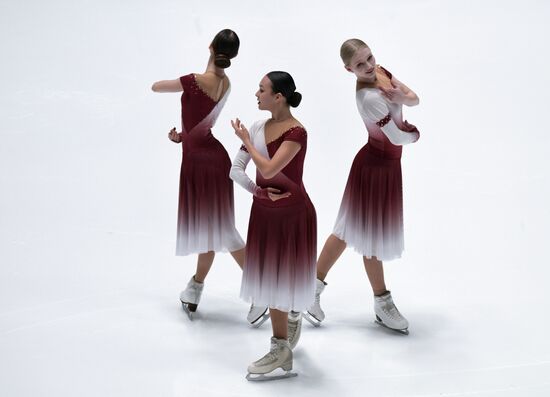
x,y
294,99
222,61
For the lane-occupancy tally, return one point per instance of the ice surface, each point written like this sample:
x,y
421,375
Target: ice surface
x,y
89,284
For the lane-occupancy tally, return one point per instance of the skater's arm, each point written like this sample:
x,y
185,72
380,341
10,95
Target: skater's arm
x,y
375,109
267,167
167,86
271,167
239,175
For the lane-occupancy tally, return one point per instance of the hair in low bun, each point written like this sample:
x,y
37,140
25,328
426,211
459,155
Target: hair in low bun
x,y
282,82
294,99
222,61
225,46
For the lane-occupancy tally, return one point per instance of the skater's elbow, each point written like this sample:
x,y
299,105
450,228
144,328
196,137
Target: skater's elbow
x,y
268,173
233,173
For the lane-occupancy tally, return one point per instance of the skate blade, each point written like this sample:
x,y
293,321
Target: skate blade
x,y
265,377
399,331
312,320
258,323
189,309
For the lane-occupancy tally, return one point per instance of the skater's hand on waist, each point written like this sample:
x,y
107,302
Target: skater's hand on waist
x,y
275,194
174,136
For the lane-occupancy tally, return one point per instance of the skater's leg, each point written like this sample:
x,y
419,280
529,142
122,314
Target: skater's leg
x,y
375,272
279,323
386,312
239,257
332,250
204,263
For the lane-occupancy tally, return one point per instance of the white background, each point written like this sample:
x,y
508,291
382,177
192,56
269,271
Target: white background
x,y
89,282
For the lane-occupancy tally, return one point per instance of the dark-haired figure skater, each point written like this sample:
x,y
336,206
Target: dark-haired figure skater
x,y
206,219
371,213
279,270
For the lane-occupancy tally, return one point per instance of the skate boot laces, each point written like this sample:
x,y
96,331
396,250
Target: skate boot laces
x,y
390,309
270,357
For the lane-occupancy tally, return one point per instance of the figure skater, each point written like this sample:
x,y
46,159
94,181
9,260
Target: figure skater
x,y
371,213
206,219
279,270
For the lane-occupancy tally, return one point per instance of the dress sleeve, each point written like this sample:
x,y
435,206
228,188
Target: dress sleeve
x,y
185,81
374,108
296,134
238,169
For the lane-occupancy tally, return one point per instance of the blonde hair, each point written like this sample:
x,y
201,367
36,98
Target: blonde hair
x,y
347,50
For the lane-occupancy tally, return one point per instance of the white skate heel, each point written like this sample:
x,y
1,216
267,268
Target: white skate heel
x,y
388,316
315,314
294,328
267,367
191,296
257,315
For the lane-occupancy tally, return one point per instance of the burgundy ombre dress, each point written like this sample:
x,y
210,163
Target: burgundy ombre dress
x,y
281,246
206,218
371,213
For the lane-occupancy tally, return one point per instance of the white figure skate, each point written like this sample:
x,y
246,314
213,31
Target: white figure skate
x,y
294,328
267,367
191,296
257,315
388,316
315,314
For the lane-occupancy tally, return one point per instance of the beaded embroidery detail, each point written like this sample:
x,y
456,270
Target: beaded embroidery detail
x,y
382,122
198,90
304,132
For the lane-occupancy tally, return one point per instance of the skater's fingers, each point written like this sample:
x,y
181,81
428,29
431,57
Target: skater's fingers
x,y
275,196
273,190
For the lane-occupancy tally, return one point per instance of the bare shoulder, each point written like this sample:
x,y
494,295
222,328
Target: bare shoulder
x,y
209,79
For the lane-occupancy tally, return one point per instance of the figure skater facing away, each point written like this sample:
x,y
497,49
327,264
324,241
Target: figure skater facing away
x,y
206,219
371,213
279,270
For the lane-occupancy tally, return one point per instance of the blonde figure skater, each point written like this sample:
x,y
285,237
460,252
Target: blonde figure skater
x,y
206,219
281,245
371,213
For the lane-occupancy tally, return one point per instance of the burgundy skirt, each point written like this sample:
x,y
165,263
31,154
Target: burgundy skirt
x,y
370,219
206,217
281,254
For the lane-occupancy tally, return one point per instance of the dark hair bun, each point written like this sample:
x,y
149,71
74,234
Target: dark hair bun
x,y
294,99
222,61
225,47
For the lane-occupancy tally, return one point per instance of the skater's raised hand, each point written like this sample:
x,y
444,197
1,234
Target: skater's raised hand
x,y
174,136
240,130
394,94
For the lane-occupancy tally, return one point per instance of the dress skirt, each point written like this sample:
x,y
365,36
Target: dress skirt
x,y
281,251
206,217
370,219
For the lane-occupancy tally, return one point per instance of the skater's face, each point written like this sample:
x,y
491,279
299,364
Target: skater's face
x,y
363,65
267,100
